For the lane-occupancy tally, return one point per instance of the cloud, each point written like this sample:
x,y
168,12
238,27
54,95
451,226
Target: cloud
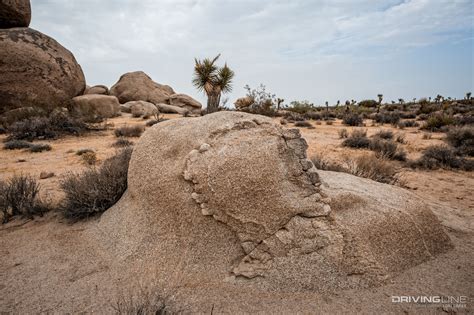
x,y
301,49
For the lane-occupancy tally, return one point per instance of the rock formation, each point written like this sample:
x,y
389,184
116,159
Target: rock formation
x,y
36,71
97,89
94,106
138,86
243,102
231,198
15,13
141,108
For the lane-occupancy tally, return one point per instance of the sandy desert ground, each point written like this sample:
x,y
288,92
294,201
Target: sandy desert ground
x,y
47,265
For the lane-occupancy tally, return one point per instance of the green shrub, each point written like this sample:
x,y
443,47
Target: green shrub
x,y
122,142
437,121
97,189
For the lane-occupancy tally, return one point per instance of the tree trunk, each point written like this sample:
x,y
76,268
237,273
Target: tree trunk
x,y
213,102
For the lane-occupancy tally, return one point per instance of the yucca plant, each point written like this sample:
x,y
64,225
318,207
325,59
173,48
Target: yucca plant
x,y
212,80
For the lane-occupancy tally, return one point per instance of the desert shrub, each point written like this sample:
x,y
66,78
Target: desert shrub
x,y
427,108
367,166
312,115
407,115
36,148
301,107
97,189
387,149
387,118
357,139
17,145
441,156
89,158
384,134
83,151
462,138
352,119
304,124
407,123
129,131
122,142
3,130
322,163
151,122
437,121
343,133
51,127
400,138
465,119
368,103
20,196
283,121
329,122
426,136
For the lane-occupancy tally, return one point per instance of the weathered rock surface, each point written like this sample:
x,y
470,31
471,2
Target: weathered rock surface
x,y
95,106
138,86
18,114
141,108
97,89
36,71
15,13
243,102
186,102
165,108
233,201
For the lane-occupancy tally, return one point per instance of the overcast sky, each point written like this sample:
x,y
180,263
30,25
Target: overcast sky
x,y
300,49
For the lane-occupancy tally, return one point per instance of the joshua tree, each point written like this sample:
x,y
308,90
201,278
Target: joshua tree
x,y
414,100
429,99
327,106
380,96
211,79
279,101
338,103
468,95
401,101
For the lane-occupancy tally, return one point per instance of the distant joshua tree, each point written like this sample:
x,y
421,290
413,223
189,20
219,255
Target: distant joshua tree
x,y
468,95
353,102
380,96
327,106
338,103
393,102
279,101
414,100
429,99
213,80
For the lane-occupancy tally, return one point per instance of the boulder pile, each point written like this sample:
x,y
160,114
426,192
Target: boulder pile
x,y
36,71
231,200
138,86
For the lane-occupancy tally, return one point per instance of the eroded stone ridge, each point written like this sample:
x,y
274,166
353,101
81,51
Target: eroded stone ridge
x,y
261,197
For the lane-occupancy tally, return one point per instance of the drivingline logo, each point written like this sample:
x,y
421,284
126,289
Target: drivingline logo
x,y
453,301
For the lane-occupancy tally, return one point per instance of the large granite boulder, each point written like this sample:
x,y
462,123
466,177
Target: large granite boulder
x,y
186,102
141,108
15,13
244,102
36,71
138,86
230,201
97,89
95,106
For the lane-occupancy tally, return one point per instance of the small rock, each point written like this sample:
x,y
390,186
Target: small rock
x,y
44,175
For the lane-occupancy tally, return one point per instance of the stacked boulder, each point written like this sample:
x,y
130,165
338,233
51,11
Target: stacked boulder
x,y
35,70
138,86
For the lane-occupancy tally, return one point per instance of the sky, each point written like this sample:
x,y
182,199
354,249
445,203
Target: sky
x,y
315,50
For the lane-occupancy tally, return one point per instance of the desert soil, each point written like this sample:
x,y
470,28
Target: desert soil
x,y
47,265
